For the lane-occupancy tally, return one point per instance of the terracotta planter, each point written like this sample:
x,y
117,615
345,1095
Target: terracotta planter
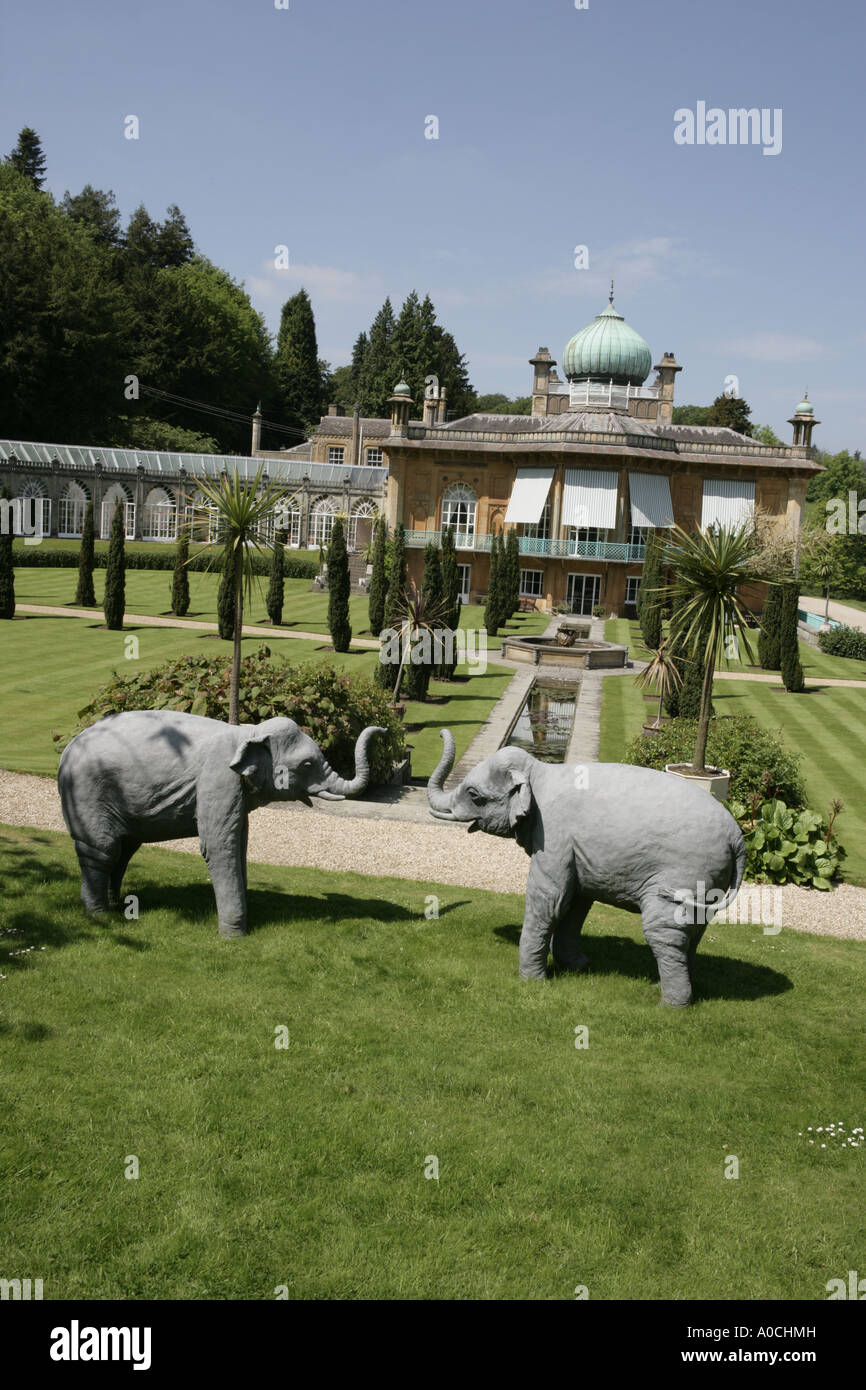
x,y
714,780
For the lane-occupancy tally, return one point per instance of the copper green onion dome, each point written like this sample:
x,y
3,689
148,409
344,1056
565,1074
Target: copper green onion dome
x,y
608,349
805,407
402,389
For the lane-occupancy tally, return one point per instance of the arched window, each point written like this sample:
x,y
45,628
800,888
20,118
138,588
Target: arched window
x,y
322,514
361,524
116,493
459,506
288,518
34,512
73,506
159,521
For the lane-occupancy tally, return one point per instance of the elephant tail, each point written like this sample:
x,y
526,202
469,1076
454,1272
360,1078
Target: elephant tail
x,y
738,855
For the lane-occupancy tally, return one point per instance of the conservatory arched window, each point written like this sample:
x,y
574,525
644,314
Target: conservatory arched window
x,y
116,494
34,513
322,514
361,524
73,508
159,522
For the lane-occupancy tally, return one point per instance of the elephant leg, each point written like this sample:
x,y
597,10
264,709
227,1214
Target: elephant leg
x,y
545,899
566,936
671,946
226,862
695,935
128,848
96,866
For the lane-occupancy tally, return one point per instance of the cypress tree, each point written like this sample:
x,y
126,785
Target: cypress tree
x,y
276,588
493,608
674,695
339,588
114,600
226,601
378,579
85,595
297,362
769,653
180,579
451,597
789,640
386,674
512,555
651,608
418,673
7,570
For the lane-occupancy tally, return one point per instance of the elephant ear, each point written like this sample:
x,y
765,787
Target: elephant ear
x,y
252,762
519,798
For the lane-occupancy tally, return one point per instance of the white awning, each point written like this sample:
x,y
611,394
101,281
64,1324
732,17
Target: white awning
x,y
728,502
531,487
650,500
589,497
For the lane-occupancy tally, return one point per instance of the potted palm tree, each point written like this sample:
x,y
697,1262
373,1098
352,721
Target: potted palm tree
x,y
709,567
242,508
663,673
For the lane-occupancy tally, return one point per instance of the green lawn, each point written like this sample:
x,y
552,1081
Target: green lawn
x,y
816,664
826,726
410,1039
149,592
52,667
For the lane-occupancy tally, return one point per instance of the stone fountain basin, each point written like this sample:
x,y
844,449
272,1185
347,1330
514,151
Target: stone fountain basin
x,y
584,654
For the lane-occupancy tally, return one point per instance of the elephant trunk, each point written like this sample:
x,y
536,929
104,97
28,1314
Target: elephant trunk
x,y
335,787
441,801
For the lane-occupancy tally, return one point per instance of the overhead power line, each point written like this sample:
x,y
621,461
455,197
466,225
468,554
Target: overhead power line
x,y
221,412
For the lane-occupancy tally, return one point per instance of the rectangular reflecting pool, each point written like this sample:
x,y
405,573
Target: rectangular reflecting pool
x,y
543,726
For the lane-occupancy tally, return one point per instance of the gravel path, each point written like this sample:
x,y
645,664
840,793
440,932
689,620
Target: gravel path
x,y
337,838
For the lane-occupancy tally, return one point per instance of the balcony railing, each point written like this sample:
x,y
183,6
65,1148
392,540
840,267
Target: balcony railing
x,y
548,549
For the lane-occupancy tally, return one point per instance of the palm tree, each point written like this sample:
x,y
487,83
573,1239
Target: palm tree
x,y
241,508
824,568
663,673
708,567
419,612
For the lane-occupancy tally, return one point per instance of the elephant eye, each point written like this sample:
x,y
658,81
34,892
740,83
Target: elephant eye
x,y
477,797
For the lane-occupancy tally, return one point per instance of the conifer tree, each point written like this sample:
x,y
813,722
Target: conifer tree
x,y
789,640
493,618
85,595
114,599
512,554
769,653
451,599
276,588
28,157
7,569
674,693
339,589
180,579
386,676
651,608
297,362
378,578
226,602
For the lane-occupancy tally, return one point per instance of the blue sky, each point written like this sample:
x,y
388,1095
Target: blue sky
x,y
306,127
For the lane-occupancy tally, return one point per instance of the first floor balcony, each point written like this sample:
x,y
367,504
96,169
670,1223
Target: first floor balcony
x,y
572,548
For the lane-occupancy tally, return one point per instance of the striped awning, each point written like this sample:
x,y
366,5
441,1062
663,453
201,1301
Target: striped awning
x,y
651,504
529,495
589,497
728,502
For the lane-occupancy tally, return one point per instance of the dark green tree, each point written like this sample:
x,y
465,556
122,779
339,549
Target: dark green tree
x,y
297,363
97,212
789,639
451,600
769,651
730,412
651,600
339,589
180,579
28,158
493,614
673,694
7,568
512,566
174,243
386,676
114,599
226,600
378,374
85,594
418,673
378,578
277,586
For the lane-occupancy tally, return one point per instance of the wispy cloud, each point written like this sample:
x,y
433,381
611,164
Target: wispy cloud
x,y
324,282
631,264
770,346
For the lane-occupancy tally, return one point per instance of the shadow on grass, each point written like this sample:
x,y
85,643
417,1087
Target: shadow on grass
x,y
715,977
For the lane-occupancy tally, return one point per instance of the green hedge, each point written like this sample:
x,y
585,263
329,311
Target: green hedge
x,y
295,566
843,641
756,758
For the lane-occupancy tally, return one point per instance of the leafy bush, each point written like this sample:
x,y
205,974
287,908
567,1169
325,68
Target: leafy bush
x,y
332,708
784,845
758,761
599,610
843,641
296,565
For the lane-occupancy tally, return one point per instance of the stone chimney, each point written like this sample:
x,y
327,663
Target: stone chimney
x,y
333,408
356,433
667,370
257,430
542,362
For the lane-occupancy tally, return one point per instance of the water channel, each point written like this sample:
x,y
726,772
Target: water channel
x,y
544,725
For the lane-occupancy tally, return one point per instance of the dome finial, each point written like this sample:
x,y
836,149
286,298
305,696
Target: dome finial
x,y
610,296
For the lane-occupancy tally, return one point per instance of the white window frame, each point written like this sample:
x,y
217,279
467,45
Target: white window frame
x,y
336,453
632,585
460,509
638,535
322,515
374,458
464,573
540,530
72,511
528,590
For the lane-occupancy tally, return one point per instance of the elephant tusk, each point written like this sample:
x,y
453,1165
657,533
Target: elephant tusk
x,y
442,815
329,796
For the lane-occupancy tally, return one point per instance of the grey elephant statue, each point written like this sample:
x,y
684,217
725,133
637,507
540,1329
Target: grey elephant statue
x,y
155,775
608,832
